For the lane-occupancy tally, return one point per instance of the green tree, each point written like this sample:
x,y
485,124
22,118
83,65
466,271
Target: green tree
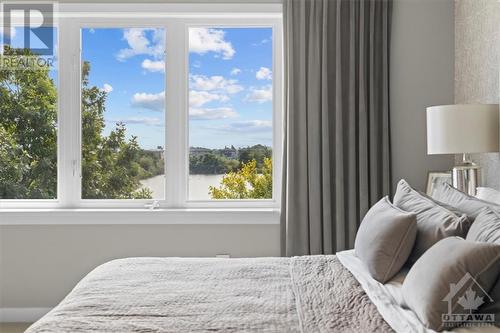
x,y
28,134
246,183
111,166
257,153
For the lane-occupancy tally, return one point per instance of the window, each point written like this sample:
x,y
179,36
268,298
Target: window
x,y
28,116
149,106
123,104
230,113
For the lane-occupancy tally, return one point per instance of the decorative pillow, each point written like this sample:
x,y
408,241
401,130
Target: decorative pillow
x,y
385,239
488,194
486,227
447,277
434,222
467,204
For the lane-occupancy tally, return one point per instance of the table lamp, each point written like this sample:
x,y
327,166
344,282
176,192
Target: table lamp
x,y
463,129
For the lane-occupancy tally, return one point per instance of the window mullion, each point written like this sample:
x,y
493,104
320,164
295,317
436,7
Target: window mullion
x,y
68,115
176,116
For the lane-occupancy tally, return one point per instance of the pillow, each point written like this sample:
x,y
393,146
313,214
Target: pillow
x,y
488,194
451,273
486,227
385,239
434,222
465,203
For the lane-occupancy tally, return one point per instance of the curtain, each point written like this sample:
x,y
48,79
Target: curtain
x,y
336,160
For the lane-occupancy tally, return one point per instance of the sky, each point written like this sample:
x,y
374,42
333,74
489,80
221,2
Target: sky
x,y
230,83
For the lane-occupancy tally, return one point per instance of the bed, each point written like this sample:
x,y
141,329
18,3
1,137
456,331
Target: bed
x,y
299,294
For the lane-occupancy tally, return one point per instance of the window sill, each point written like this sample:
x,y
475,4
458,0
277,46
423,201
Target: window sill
x,y
142,216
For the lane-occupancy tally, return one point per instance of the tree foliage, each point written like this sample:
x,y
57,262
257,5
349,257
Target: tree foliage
x,y
246,183
28,132
111,165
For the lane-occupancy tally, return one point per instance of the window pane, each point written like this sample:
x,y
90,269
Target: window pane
x,y
123,113
231,112
28,115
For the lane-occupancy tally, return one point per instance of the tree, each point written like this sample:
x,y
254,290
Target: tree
x,y
28,132
257,153
246,183
111,166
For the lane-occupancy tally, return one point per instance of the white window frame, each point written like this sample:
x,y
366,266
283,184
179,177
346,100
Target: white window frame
x,y
172,17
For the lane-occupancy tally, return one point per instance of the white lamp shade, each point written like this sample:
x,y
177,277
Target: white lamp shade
x,y
466,128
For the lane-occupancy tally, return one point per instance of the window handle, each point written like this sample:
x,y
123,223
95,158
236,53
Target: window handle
x,y
154,205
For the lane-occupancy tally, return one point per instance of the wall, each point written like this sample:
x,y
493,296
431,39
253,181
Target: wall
x,y
477,66
422,70
40,264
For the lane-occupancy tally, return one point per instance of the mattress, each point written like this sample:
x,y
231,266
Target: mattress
x,y
300,294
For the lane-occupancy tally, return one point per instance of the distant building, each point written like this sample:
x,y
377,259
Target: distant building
x,y
231,153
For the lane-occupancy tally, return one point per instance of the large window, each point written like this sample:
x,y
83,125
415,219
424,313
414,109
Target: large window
x,y
123,105
147,106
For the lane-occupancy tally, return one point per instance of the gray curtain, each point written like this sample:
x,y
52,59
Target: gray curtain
x,y
337,139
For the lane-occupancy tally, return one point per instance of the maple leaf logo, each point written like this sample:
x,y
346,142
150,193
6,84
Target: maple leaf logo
x,y
470,301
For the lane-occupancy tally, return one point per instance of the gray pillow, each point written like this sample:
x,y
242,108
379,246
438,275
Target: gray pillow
x,y
434,221
385,239
445,273
486,227
467,204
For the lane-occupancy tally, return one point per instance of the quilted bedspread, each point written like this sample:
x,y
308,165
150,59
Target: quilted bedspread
x,y
299,294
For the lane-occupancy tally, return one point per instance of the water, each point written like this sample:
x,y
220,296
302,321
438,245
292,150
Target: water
x,y
198,186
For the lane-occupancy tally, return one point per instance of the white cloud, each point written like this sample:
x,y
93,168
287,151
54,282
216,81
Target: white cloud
x,y
264,73
235,71
139,43
215,83
262,42
199,98
153,65
262,95
247,126
107,88
139,120
211,114
155,102
203,40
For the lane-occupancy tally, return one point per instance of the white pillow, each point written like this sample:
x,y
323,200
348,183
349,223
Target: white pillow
x,y
488,194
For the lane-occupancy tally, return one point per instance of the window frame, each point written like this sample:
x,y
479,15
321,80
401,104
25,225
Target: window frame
x,y
171,17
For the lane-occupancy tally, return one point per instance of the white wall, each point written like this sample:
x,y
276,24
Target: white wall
x,y
422,74
40,264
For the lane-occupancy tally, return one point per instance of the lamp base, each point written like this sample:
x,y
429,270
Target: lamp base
x,y
466,176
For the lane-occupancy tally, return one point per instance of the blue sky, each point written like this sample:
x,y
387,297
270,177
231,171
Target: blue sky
x,y
230,83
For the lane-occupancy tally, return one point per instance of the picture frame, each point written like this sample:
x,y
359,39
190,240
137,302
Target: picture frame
x,y
436,177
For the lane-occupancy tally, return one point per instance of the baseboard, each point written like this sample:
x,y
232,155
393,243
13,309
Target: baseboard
x,y
22,315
